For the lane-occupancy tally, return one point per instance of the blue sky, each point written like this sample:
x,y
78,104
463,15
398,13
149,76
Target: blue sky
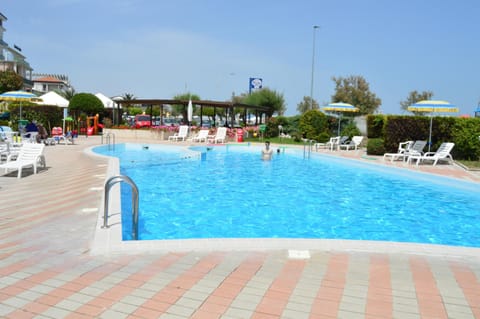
x,y
157,49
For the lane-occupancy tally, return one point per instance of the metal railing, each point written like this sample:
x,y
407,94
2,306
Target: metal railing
x,y
108,185
108,138
307,148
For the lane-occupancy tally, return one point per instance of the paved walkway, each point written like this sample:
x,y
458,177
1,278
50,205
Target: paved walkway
x,y
48,222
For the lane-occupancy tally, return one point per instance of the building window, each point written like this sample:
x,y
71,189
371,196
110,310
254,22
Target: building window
x,y
44,88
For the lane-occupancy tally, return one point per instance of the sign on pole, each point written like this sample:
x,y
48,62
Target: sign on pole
x,y
255,84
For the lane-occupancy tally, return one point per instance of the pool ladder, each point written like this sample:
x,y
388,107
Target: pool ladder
x,y
108,138
307,148
108,185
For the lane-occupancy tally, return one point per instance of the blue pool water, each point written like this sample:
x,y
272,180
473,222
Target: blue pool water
x,y
228,192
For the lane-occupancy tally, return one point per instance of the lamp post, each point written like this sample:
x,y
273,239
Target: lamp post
x,y
315,27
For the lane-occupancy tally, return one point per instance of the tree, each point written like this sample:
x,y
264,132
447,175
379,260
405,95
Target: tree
x,y
86,103
10,81
269,98
415,97
306,105
68,94
128,96
355,90
182,108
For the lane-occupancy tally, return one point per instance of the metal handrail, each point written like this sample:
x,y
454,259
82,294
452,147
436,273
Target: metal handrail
x,y
107,138
310,146
108,185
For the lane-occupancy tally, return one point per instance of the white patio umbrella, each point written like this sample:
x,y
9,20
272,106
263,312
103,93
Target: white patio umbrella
x,y
340,108
189,112
432,106
53,98
108,103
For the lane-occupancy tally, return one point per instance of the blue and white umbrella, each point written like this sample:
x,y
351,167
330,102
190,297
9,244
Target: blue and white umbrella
x,y
19,96
432,106
340,108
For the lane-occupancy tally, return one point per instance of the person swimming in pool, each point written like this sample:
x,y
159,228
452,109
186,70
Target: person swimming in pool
x,y
267,152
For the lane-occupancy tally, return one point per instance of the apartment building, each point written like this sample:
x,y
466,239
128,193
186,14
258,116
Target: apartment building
x,y
11,58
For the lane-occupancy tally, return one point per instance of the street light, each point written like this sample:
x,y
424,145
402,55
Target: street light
x,y
315,27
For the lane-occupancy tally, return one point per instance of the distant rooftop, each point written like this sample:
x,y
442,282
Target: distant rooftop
x,y
48,79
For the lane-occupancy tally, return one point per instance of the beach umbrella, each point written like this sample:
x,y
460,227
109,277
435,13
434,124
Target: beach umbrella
x,y
19,96
190,111
432,106
340,108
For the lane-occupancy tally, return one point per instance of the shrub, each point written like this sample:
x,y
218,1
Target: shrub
x,y
375,146
312,123
375,124
466,134
350,130
323,137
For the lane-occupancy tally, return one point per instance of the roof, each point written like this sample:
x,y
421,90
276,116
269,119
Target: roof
x,y
48,79
194,102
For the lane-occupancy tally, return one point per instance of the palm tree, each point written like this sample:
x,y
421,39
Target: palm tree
x,y
68,94
128,96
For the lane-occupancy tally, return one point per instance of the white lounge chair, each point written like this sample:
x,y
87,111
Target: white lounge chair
x,y
202,136
29,137
443,153
353,144
220,136
331,144
181,135
4,150
30,154
406,149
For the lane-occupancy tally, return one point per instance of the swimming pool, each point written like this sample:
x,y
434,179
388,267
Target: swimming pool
x,y
228,192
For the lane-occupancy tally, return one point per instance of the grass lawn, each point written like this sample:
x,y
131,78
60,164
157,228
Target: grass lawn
x,y
274,140
470,164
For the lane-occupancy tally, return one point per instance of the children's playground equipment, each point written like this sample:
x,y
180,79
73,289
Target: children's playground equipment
x,y
91,126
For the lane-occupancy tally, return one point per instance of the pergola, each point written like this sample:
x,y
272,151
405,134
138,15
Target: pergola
x,y
228,107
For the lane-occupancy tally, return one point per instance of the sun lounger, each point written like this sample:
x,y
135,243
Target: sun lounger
x,y
220,136
353,144
202,136
406,149
331,144
30,154
443,153
181,135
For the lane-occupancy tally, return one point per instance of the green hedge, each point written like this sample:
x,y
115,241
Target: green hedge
x,y
48,115
394,129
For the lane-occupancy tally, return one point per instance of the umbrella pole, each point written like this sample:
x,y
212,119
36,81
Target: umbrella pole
x,y
339,121
430,133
